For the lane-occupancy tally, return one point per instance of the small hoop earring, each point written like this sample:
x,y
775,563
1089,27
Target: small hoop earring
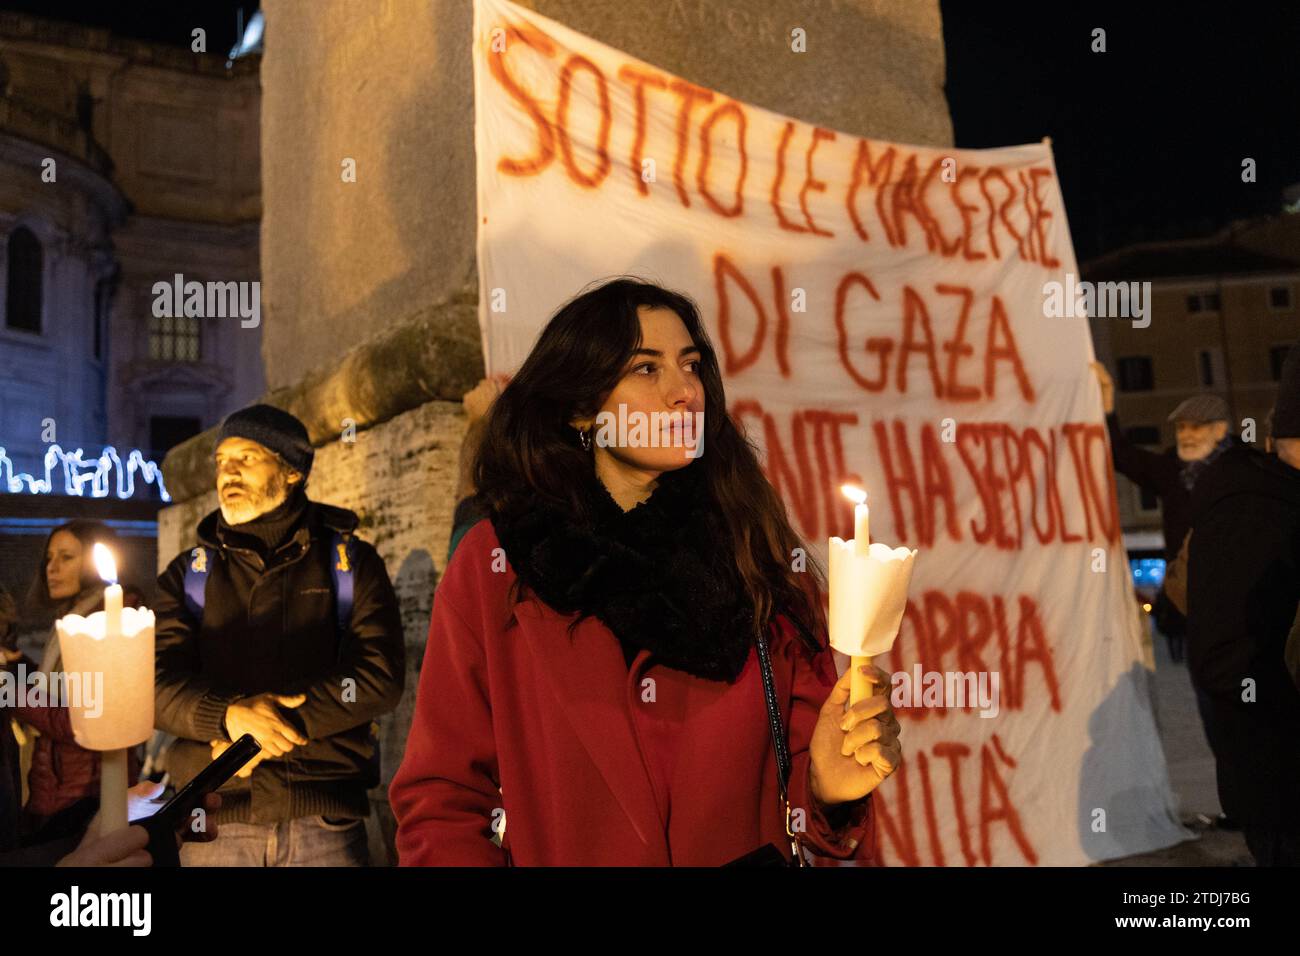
x,y
585,439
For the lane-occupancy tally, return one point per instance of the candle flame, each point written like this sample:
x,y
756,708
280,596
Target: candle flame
x,y
855,493
105,566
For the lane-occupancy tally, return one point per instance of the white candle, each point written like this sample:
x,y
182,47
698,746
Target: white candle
x,y
868,585
113,763
861,529
861,520
113,611
107,569
113,779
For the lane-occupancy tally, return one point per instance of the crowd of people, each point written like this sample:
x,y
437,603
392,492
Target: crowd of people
x,y
645,680
280,623
283,625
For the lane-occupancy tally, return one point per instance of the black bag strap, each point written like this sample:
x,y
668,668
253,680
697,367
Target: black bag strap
x,y
779,742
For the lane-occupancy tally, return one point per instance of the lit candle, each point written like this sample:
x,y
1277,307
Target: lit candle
x,y
113,772
114,648
861,519
868,593
106,567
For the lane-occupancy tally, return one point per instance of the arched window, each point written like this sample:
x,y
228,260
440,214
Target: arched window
x,y
23,296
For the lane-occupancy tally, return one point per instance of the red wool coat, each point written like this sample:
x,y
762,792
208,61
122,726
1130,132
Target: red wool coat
x,y
514,715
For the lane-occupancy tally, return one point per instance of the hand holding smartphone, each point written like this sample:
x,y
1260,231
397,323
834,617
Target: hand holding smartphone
x,y
162,826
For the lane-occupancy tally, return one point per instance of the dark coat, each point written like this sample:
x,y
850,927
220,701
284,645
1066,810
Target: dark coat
x,y
1161,473
1158,472
11,785
514,714
1243,591
269,627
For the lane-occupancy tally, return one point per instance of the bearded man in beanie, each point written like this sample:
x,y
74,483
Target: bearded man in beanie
x,y
1243,589
283,625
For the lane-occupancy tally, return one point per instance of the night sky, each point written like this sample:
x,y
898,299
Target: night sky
x,y
1149,136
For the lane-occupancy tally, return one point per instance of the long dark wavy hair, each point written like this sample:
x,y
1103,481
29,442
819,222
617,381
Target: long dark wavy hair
x,y
88,533
530,451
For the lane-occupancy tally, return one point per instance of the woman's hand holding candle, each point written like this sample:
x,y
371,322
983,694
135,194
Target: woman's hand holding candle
x,y
854,750
855,745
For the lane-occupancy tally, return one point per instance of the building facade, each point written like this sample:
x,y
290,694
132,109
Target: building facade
x,y
122,165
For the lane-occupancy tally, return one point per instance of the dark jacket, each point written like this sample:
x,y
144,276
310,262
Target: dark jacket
x,y
269,627
11,785
1161,472
12,852
1243,590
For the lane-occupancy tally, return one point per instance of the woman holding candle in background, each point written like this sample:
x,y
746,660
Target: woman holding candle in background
x,y
601,702
63,780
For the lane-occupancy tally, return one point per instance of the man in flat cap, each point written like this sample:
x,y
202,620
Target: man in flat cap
x,y
1243,590
1202,435
283,625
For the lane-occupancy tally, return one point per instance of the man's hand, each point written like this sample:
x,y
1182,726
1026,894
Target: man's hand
x,y
123,848
261,717
478,401
145,799
480,398
1107,387
128,847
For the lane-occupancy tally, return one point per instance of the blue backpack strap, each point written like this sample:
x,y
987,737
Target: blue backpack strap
x,y
196,580
342,573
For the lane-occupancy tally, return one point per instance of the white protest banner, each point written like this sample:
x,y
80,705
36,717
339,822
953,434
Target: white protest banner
x,y
881,316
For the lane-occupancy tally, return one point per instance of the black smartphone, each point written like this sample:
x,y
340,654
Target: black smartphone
x,y
162,825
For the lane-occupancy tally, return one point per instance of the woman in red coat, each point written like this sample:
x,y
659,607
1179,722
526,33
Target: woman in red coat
x,y
590,693
63,782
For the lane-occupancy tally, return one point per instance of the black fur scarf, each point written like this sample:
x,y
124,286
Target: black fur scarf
x,y
661,576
